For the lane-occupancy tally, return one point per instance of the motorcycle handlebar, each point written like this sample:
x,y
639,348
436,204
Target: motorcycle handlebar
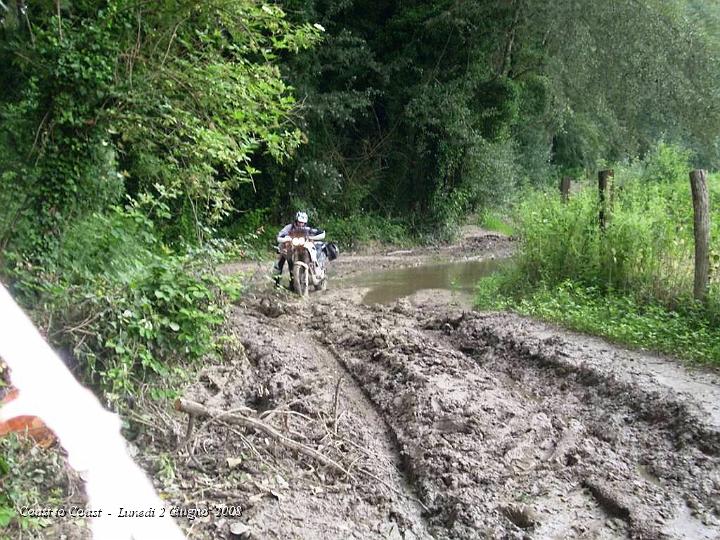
x,y
285,239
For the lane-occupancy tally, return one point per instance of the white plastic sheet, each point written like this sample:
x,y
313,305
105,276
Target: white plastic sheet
x,y
89,433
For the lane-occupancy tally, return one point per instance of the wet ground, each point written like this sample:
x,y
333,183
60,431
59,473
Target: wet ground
x,y
441,422
459,278
337,417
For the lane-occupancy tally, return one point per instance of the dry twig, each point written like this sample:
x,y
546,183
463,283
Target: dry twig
x,y
201,411
335,405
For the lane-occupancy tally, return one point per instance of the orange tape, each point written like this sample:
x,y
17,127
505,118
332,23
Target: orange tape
x,y
30,426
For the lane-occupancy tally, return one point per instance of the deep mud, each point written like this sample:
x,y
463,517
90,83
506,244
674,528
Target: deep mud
x,y
440,422
452,424
509,428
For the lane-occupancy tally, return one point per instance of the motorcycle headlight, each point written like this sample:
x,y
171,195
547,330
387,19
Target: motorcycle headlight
x,y
298,241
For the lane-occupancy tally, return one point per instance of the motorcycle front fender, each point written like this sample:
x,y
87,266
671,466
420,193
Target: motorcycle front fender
x,y
316,276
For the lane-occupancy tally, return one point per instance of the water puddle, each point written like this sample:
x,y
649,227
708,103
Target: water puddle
x,y
648,476
458,277
685,525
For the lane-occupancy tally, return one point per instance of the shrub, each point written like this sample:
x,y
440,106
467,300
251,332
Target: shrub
x,y
646,247
253,231
351,233
493,221
631,281
666,163
123,305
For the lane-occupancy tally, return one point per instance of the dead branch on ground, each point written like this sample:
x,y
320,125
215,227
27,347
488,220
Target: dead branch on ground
x,y
193,408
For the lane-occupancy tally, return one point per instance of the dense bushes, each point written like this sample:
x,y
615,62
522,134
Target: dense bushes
x,y
368,228
642,262
125,129
124,305
647,246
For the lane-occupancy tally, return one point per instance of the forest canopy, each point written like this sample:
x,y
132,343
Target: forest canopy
x,y
433,109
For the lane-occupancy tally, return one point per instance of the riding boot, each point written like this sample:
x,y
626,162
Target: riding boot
x,y
277,271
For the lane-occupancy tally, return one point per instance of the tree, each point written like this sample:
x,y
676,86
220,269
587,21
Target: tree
x,y
165,102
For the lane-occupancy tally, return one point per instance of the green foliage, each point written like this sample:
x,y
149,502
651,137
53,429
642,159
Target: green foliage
x,y
436,109
170,100
124,304
158,106
666,163
24,468
253,231
631,282
690,333
646,247
493,221
368,228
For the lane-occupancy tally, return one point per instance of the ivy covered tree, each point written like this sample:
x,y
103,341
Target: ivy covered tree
x,y
164,102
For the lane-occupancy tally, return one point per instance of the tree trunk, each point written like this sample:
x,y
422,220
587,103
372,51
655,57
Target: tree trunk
x,y
506,61
701,206
565,188
605,187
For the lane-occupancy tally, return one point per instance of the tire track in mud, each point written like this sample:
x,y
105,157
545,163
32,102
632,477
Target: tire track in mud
x,y
502,427
290,370
502,443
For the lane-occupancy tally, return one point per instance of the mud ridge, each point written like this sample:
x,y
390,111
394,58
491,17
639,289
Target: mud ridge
x,y
404,467
500,441
659,406
294,369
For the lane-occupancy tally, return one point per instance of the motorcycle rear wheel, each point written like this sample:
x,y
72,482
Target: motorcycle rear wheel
x,y
322,286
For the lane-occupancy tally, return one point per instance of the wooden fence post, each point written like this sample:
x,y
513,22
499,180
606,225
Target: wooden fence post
x,y
565,188
605,186
701,206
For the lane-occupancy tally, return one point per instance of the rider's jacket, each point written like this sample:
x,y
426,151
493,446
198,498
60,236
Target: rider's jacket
x,y
311,231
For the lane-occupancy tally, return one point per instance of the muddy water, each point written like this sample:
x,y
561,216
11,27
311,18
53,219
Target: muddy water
x,y
457,277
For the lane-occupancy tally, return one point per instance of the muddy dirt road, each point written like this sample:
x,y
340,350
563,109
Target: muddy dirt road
x,y
423,419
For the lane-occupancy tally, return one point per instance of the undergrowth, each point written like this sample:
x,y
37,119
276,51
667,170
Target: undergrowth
x,y
493,221
122,305
258,234
24,469
686,332
631,282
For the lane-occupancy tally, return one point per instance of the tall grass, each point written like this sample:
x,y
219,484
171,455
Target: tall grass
x,y
493,221
645,255
646,247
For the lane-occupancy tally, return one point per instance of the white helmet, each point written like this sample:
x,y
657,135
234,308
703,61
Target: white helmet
x,y
301,217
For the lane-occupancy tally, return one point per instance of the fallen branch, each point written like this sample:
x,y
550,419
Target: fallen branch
x,y
189,431
335,405
200,411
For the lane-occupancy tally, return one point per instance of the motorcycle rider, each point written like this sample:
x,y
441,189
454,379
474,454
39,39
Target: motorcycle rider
x,y
300,224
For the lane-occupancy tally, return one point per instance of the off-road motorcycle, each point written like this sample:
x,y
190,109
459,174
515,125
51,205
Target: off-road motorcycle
x,y
307,261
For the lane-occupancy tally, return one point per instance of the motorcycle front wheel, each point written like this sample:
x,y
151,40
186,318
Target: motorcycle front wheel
x,y
300,279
